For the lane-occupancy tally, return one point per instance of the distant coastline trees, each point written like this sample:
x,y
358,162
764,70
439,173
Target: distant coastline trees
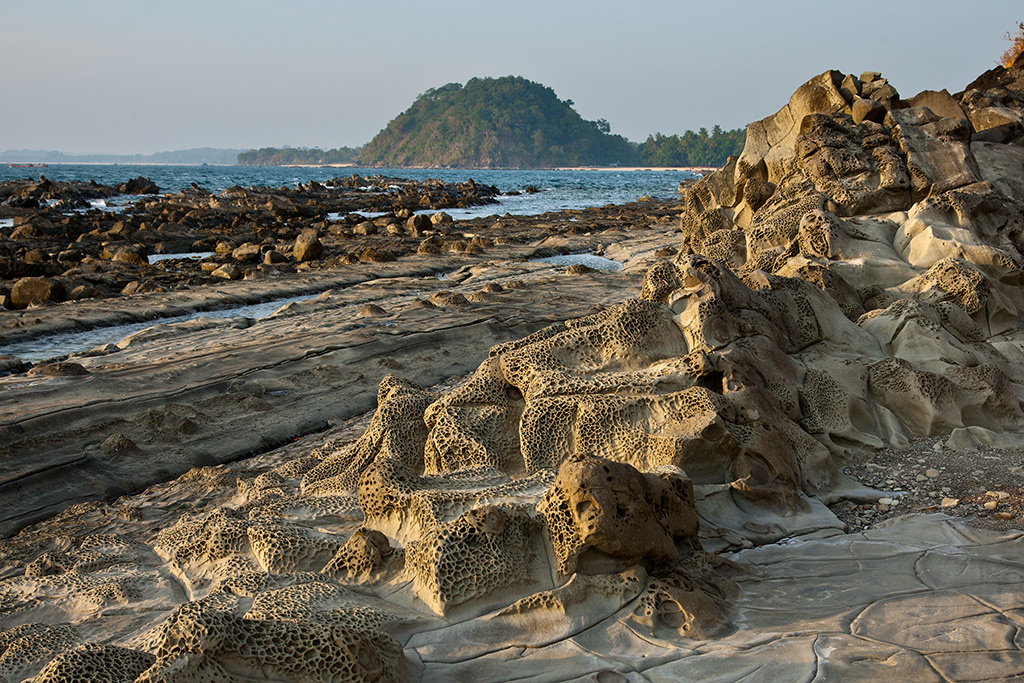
x,y
693,149
299,156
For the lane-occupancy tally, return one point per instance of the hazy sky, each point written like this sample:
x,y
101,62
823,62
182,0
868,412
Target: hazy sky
x,y
123,76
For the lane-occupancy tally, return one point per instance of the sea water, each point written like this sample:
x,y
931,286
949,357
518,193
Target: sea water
x,y
557,190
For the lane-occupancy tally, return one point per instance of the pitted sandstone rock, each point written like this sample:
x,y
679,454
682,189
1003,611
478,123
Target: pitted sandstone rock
x,y
485,549
397,431
27,648
601,514
97,664
200,643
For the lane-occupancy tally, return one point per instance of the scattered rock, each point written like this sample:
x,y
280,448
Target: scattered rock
x,y
37,290
60,369
228,271
139,185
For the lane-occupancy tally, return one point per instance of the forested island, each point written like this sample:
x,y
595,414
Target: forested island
x,y
507,122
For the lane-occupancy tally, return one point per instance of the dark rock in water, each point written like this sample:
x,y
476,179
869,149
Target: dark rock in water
x,y
580,269
307,247
139,185
30,290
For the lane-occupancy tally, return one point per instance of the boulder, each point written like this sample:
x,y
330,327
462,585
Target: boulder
x,y
307,247
274,257
29,290
246,252
610,516
228,271
139,185
940,102
417,224
130,255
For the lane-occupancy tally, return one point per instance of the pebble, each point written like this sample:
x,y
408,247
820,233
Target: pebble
x,y
950,502
998,495
756,527
920,477
991,505
932,473
1003,515
732,539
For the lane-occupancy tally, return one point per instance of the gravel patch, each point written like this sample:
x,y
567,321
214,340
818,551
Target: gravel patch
x,y
985,485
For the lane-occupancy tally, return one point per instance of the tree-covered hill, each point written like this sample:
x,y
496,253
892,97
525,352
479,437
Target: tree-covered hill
x,y
506,122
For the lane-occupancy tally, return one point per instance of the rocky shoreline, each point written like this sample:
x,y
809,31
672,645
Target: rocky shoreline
x,y
728,460
63,430
249,233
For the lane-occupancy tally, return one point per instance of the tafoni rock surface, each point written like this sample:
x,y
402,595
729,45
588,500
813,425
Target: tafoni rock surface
x,y
635,493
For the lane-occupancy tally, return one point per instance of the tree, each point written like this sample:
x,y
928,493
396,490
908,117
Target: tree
x,y
692,149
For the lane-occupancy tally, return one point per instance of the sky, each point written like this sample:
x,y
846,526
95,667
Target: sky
x,y
143,76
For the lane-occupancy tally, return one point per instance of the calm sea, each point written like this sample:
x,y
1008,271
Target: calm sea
x,y
558,190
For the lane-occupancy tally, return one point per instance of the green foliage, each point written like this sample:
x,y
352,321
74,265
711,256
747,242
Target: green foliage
x,y
507,122
693,149
287,156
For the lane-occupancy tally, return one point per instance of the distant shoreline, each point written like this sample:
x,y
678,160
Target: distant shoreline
x,y
691,169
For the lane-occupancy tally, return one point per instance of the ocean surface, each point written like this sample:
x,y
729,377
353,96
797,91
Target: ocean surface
x,y
558,190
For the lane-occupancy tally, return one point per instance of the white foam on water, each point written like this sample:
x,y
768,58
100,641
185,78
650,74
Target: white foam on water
x,y
195,255
337,216
590,260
